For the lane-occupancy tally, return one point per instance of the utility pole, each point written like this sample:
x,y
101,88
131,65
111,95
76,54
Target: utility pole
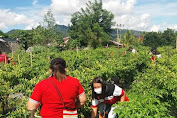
x,y
119,31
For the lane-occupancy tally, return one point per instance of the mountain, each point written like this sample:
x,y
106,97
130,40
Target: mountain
x,y
64,31
11,31
61,28
123,31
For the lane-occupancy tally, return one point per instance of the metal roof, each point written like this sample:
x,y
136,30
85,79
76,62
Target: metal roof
x,y
1,40
9,40
116,43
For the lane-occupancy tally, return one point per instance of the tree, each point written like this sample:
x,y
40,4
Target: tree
x,y
155,39
25,37
92,25
38,35
45,33
176,41
2,34
169,36
128,38
49,20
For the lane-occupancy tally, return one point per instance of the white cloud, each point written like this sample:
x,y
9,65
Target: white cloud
x,y
134,22
122,11
174,27
30,26
64,10
118,7
161,27
35,2
137,17
3,26
155,28
66,7
9,18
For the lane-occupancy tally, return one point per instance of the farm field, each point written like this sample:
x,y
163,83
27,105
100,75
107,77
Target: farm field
x,y
150,86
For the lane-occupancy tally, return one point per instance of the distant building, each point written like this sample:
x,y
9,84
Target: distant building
x,y
116,43
66,39
7,44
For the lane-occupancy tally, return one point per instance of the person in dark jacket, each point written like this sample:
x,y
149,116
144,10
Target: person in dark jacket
x,y
104,96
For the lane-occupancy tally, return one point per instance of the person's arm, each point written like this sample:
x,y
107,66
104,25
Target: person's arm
x,y
94,112
122,99
32,106
10,58
34,100
81,100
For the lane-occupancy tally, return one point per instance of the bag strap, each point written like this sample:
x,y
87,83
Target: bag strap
x,y
59,94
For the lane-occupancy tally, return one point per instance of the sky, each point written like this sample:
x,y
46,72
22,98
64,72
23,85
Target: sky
x,y
144,15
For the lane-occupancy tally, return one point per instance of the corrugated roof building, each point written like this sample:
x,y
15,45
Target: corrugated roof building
x,y
7,45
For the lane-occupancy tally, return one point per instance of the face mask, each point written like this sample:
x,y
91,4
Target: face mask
x,y
98,90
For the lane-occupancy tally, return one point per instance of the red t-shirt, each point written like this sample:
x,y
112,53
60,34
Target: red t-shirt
x,y
153,58
46,94
2,57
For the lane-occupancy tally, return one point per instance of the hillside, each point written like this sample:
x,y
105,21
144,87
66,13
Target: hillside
x,y
64,31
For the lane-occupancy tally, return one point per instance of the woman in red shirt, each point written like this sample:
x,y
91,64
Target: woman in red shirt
x,y
59,95
4,58
104,96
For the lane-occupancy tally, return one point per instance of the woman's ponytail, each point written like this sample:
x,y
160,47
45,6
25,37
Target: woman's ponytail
x,y
58,66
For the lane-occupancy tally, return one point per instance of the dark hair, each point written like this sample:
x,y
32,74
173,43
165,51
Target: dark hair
x,y
98,80
0,52
58,66
115,80
130,48
153,49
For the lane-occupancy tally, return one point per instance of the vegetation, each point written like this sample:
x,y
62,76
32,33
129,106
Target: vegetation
x,y
153,92
2,34
44,34
150,86
92,26
156,39
25,37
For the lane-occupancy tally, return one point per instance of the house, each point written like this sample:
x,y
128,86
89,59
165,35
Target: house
x,y
66,39
7,45
116,43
